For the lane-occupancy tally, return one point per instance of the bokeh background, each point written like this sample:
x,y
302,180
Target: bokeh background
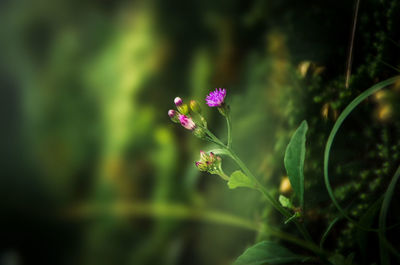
x,y
93,171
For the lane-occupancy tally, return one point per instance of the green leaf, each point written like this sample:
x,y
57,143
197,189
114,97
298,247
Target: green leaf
x,y
345,113
219,151
383,215
238,179
367,220
294,160
285,202
267,252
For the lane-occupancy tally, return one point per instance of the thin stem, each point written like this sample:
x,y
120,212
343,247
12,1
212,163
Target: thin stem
x,y
353,33
229,127
214,138
183,212
259,187
270,199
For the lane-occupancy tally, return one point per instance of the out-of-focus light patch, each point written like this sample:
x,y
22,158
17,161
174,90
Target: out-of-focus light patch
x,y
280,71
380,95
325,111
384,112
303,68
328,112
308,68
285,187
163,136
396,86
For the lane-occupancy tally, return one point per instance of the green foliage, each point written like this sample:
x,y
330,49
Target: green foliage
x,y
338,259
267,252
238,179
294,160
285,202
86,87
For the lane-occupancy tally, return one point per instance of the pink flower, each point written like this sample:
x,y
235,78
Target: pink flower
x,y
187,122
216,98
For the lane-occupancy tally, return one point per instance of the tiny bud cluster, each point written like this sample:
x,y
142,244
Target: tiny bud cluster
x,y
209,163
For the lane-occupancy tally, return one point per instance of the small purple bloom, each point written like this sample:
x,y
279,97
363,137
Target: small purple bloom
x,y
171,113
216,98
178,101
187,122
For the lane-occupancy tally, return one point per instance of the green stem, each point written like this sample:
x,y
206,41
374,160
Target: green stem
x,y
214,138
185,212
259,187
229,127
270,199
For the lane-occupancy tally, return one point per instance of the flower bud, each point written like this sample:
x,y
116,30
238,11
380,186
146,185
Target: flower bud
x,y
194,106
203,156
200,133
212,164
173,115
202,166
178,101
183,108
187,122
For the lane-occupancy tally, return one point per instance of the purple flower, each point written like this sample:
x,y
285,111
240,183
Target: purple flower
x,y
216,98
187,122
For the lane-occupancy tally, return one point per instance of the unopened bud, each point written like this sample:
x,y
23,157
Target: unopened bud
x,y
178,101
203,156
187,122
183,108
173,115
199,132
194,106
202,166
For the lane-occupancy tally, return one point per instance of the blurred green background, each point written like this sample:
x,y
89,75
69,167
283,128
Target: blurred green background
x,y
92,170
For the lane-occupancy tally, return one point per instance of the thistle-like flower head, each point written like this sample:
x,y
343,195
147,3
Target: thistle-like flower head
x,y
210,163
187,122
216,98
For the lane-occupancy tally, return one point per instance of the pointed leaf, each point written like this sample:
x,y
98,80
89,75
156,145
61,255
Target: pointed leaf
x,y
267,252
285,202
294,160
238,179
